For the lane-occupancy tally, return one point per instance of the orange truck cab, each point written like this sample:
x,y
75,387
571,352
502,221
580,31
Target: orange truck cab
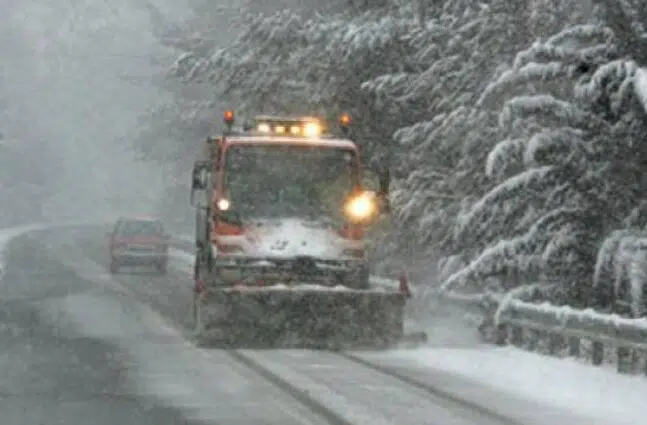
x,y
284,202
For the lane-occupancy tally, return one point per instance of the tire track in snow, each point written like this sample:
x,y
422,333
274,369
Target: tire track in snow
x,y
361,394
434,391
303,397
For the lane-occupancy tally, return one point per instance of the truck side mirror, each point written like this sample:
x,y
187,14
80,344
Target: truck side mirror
x,y
200,178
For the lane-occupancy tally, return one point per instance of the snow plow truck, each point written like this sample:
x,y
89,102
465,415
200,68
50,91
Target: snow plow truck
x,y
282,208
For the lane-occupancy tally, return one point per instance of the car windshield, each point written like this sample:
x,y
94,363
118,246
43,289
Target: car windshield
x,y
140,228
273,181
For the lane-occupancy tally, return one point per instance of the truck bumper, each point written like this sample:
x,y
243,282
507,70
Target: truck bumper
x,y
266,272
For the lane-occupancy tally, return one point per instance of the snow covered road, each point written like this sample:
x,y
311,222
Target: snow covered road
x,y
348,394
361,395
50,374
128,334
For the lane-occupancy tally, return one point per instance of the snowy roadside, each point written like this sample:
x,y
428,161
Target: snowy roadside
x,y
566,384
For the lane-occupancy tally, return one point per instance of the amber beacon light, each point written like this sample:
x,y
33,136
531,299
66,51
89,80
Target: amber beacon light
x,y
229,117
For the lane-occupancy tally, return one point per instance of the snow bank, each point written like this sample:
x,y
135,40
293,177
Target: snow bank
x,y
563,383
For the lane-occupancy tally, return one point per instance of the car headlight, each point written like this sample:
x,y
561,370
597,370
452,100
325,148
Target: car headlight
x,y
361,207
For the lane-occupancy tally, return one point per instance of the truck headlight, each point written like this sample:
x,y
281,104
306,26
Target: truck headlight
x,y
223,204
361,207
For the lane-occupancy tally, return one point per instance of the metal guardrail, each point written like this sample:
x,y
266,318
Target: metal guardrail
x,y
559,330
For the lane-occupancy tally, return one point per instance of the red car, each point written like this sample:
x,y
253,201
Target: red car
x,y
139,242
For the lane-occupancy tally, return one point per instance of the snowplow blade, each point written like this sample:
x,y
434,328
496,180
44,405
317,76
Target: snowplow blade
x,y
289,318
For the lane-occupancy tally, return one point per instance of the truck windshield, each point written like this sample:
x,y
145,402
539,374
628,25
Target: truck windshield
x,y
274,181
